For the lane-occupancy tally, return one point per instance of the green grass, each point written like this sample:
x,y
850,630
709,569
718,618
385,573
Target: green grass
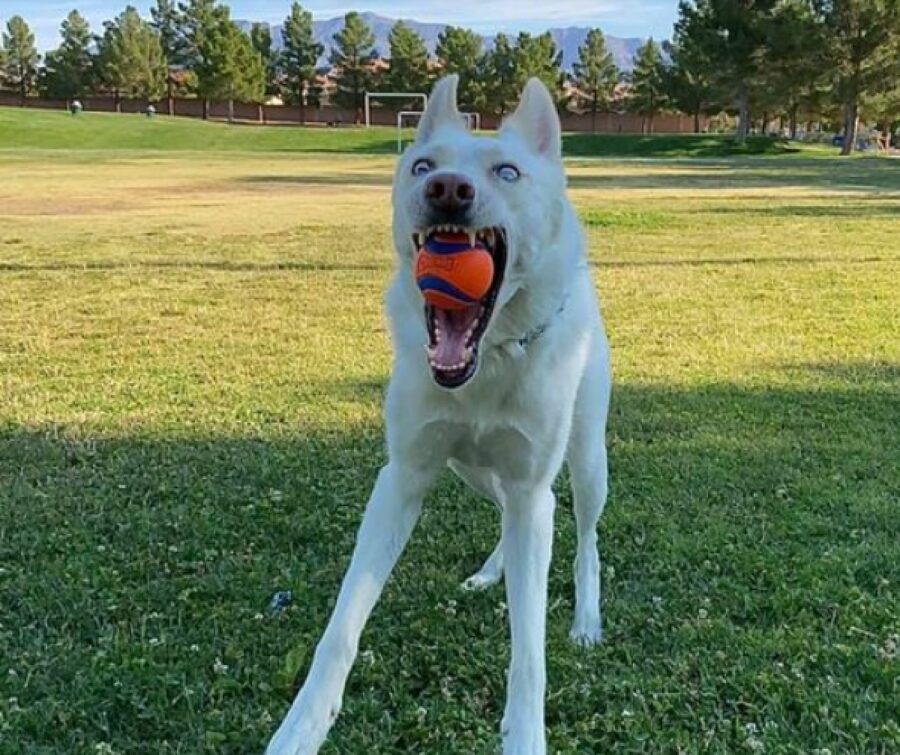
x,y
41,129
192,359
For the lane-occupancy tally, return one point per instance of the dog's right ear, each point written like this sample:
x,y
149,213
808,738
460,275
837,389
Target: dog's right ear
x,y
441,110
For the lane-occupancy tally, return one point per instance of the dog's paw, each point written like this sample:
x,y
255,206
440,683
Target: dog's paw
x,y
482,580
586,634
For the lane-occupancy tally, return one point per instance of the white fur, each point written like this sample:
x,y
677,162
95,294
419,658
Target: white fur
x,y
506,432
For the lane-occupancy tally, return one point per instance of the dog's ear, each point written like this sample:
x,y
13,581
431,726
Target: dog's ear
x,y
441,110
536,120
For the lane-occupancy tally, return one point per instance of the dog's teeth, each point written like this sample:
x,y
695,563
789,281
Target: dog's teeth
x,y
472,237
489,236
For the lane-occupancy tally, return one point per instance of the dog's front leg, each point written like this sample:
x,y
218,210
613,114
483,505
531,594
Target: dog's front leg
x,y
391,514
527,542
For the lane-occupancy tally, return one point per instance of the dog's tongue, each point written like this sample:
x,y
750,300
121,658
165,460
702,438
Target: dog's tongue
x,y
453,327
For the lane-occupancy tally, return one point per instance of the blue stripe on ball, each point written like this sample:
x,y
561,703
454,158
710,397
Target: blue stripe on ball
x,y
431,283
436,246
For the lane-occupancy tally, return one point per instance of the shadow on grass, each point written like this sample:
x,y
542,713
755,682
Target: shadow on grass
x,y
134,569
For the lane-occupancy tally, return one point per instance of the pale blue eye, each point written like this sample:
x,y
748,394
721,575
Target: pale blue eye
x,y
507,172
421,167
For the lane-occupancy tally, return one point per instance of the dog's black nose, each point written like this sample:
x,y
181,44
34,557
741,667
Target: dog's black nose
x,y
449,192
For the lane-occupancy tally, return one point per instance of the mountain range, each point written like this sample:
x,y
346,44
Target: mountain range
x,y
567,39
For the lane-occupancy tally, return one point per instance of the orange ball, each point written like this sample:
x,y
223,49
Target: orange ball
x,y
451,277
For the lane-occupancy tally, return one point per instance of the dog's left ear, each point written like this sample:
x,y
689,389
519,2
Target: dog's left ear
x,y
441,110
536,120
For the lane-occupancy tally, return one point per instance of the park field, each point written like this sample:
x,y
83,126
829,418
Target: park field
x,y
192,361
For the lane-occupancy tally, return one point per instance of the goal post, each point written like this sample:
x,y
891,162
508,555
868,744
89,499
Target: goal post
x,y
393,95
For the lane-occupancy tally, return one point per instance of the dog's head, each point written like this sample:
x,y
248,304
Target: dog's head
x,y
508,192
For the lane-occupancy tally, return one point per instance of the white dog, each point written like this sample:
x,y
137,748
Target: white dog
x,y
501,393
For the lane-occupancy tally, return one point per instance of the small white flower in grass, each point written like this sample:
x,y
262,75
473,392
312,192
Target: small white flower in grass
x,y
610,572
702,613
421,714
258,617
367,657
751,728
104,748
219,667
627,713
195,648
173,549
154,641
755,744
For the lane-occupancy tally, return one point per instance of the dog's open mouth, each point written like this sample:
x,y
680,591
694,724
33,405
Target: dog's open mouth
x,y
455,334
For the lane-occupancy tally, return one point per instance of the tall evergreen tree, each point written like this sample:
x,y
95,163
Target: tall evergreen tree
x,y
408,62
297,62
647,97
862,43
498,72
796,63
131,58
69,70
167,21
201,31
732,36
459,51
596,74
230,69
538,56
261,39
690,79
19,57
352,55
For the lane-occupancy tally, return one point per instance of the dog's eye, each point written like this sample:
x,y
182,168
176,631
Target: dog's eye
x,y
507,172
421,167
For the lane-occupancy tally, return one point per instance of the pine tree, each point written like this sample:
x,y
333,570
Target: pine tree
x,y
261,39
647,96
229,68
537,56
131,58
796,63
19,57
69,70
499,76
596,74
690,78
732,36
168,24
297,62
352,55
459,51
201,22
408,70
862,39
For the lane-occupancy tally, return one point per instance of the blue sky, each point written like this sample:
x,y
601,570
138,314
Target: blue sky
x,y
623,18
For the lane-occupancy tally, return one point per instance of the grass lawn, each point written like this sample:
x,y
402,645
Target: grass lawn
x,y
104,131
192,359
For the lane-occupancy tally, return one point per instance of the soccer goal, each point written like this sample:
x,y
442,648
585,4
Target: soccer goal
x,y
393,95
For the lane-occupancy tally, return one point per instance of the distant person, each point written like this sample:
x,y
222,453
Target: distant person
x,y
76,107
151,111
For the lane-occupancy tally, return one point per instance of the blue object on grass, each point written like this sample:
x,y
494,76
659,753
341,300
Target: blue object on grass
x,y
280,600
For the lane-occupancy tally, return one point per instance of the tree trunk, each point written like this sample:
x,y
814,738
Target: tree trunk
x,y
594,119
260,113
851,124
231,109
794,108
697,121
650,124
117,99
765,123
170,93
743,128
205,108
23,91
